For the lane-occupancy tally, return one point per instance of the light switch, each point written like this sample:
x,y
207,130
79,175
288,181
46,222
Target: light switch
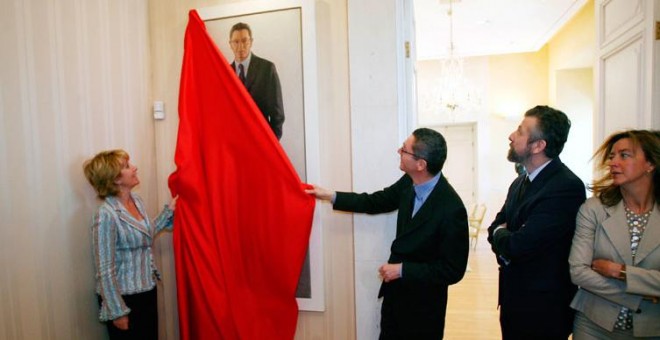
x,y
159,110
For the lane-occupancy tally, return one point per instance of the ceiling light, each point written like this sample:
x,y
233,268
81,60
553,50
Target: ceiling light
x,y
456,94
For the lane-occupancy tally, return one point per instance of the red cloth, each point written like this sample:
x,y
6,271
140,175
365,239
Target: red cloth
x,y
242,221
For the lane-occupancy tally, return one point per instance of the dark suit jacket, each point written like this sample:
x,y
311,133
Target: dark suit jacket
x,y
433,246
263,84
537,240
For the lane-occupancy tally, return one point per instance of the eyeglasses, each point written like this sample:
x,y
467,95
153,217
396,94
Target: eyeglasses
x,y
416,156
243,42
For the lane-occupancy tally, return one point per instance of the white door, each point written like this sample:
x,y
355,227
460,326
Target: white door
x,y
625,71
460,167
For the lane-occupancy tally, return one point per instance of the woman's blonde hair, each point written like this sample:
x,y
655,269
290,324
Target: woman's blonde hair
x,y
102,171
648,141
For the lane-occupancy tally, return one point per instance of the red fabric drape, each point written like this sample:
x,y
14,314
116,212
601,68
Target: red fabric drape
x,y
242,221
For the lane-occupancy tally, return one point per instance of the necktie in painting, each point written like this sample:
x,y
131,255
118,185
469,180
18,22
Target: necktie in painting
x,y
241,73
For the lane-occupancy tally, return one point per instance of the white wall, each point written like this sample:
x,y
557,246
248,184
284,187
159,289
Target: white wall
x,y
571,58
78,77
74,80
374,141
575,96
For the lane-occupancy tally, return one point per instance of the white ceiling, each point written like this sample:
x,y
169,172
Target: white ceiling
x,y
487,27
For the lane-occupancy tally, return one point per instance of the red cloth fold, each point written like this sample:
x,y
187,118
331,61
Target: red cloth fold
x,y
242,220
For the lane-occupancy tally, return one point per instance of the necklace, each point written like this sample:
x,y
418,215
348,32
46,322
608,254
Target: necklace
x,y
636,226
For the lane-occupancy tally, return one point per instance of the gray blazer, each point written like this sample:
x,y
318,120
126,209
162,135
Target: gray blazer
x,y
602,232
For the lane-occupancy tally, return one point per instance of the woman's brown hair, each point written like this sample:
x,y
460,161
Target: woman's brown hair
x,y
648,141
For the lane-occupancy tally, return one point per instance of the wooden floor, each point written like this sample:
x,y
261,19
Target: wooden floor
x,y
472,308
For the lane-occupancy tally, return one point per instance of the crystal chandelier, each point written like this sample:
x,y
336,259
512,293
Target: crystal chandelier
x,y
456,94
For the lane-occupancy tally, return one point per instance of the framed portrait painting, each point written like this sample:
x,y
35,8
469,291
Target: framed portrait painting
x,y
283,32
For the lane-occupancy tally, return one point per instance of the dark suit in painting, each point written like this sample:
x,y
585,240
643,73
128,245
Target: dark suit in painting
x,y
433,247
535,288
263,84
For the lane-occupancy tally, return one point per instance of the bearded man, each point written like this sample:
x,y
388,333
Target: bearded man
x,y
531,235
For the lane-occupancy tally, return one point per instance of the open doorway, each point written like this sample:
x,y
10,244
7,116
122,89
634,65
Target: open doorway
x,y
460,169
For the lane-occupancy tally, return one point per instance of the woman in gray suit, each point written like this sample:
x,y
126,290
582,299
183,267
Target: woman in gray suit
x,y
615,256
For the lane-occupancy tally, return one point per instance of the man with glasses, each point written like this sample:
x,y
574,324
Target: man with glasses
x,y
532,234
259,77
431,247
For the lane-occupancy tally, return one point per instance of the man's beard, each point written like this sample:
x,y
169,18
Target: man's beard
x,y
512,156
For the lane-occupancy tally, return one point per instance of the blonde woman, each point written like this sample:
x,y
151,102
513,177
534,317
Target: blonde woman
x,y
615,255
122,235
